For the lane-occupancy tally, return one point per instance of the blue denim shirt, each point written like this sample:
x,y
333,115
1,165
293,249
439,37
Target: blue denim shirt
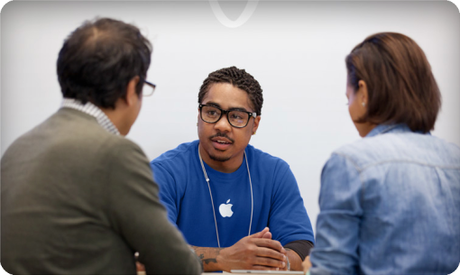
x,y
389,204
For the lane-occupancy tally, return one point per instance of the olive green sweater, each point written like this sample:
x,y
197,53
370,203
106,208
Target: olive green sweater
x,y
77,199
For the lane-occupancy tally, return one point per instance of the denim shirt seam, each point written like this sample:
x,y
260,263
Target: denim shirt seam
x,y
359,169
410,161
360,175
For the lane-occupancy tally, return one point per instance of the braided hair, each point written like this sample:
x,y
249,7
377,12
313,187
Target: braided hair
x,y
238,78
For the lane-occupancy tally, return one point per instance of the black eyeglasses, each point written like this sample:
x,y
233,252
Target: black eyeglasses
x,y
148,88
236,118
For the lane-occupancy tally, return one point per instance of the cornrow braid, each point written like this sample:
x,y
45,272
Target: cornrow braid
x,y
238,78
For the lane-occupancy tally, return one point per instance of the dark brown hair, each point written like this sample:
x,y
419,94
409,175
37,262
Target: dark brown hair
x,y
98,60
401,86
238,78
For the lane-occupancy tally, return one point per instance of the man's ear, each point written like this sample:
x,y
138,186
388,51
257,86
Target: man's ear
x,y
256,124
131,94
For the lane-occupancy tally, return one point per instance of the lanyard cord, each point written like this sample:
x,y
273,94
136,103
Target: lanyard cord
x,y
212,201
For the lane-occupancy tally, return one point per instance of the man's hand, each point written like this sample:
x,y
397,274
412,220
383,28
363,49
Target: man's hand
x,y
257,251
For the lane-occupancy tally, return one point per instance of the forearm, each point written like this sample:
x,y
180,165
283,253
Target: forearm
x,y
294,260
256,251
209,258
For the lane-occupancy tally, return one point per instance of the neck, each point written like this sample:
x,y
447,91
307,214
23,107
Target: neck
x,y
228,166
119,116
115,118
365,128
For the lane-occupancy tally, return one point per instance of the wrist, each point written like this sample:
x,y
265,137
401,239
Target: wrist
x,y
295,262
199,259
288,265
220,261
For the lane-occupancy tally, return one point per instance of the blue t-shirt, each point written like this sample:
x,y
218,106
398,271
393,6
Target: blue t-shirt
x,y
185,193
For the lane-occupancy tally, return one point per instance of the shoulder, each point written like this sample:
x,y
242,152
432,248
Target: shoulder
x,y
82,133
184,150
261,158
267,166
122,152
123,146
173,169
109,149
400,147
181,155
67,132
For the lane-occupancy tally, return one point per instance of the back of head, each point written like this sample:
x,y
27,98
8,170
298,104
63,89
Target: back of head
x,y
238,78
401,86
98,60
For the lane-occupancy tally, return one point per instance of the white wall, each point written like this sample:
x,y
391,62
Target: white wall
x,y
296,50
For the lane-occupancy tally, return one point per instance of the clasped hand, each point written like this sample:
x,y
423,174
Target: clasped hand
x,y
257,251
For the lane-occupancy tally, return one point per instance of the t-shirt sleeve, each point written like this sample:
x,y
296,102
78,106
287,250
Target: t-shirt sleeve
x,y
337,226
301,247
288,220
140,219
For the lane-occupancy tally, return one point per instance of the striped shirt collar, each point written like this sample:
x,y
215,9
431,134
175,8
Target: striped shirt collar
x,y
91,110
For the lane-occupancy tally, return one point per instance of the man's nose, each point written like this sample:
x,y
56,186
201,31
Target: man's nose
x,y
223,124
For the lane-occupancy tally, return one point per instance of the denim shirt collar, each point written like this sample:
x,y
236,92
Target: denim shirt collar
x,y
388,128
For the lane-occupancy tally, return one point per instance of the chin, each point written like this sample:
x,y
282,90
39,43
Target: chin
x,y
219,158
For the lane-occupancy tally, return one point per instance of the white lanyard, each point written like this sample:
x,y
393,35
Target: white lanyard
x,y
212,202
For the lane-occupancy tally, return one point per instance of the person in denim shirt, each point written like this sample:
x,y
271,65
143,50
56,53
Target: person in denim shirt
x,y
390,203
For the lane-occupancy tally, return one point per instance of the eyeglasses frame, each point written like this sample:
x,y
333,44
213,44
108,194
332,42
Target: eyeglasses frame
x,y
153,86
251,114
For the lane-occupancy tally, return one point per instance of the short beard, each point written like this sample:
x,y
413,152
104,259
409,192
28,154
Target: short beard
x,y
222,159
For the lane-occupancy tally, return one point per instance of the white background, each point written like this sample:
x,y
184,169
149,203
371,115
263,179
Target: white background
x,y
295,50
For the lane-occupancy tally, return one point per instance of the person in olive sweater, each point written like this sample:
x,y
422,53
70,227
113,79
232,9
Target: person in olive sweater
x,y
77,196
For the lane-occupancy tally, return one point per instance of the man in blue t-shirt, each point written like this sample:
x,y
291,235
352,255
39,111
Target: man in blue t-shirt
x,y
238,207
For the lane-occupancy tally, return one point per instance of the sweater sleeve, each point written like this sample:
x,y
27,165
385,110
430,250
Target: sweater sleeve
x,y
139,217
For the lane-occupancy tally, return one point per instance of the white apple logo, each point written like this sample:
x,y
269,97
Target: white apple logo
x,y
226,209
